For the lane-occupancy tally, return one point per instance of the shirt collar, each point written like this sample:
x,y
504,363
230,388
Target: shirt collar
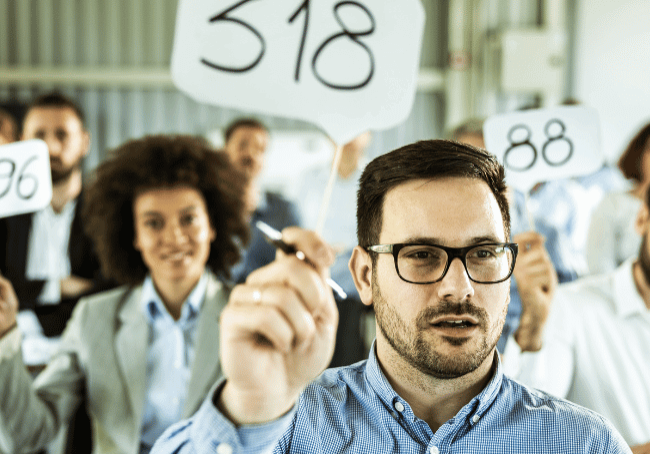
x,y
626,296
154,308
67,211
477,406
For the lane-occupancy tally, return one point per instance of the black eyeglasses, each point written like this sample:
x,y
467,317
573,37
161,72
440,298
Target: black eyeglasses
x,y
488,263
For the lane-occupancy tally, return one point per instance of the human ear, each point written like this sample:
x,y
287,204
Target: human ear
x,y
641,222
360,266
86,143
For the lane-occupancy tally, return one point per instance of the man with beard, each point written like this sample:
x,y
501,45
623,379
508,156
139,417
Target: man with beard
x,y
246,140
590,345
434,259
46,254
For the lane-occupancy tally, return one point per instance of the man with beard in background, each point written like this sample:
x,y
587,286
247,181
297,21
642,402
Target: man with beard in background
x,y
46,254
590,345
246,140
434,258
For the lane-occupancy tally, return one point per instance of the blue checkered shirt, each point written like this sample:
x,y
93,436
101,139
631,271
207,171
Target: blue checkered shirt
x,y
354,409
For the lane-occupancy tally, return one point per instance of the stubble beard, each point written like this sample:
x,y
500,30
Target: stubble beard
x,y
63,175
411,343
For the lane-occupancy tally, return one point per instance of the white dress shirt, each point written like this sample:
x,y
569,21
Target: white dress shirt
x,y
596,351
47,259
47,251
612,237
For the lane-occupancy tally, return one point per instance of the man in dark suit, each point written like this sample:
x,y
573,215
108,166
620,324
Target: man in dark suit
x,y
46,254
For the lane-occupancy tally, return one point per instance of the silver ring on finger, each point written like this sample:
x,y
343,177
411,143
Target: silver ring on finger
x,y
257,296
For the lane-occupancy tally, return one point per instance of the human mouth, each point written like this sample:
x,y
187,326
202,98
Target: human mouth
x,y
455,325
176,256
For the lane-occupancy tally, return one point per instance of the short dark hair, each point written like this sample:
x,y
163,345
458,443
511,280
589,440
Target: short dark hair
x,y
242,123
427,159
162,162
57,100
631,160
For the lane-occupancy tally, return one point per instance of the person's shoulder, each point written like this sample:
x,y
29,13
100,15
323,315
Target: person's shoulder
x,y
17,220
564,422
339,393
275,198
593,291
107,301
618,200
535,404
336,382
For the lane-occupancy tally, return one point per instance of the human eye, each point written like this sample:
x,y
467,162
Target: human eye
x,y
154,223
188,219
486,252
61,135
422,255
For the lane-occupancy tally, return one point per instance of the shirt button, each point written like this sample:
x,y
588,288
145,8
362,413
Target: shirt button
x,y
224,448
399,407
475,418
434,450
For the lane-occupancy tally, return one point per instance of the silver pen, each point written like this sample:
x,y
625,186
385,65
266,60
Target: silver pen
x,y
274,237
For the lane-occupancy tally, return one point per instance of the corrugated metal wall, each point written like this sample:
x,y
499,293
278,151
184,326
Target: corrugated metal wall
x,y
113,57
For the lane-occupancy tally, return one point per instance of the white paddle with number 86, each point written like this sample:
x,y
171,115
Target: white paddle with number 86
x,y
25,178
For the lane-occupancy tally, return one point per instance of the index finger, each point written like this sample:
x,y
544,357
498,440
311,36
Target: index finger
x,y
316,250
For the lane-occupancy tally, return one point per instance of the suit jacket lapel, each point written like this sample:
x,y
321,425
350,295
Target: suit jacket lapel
x,y
131,344
206,367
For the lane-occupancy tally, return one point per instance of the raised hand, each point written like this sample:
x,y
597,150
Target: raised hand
x,y
277,332
8,306
536,283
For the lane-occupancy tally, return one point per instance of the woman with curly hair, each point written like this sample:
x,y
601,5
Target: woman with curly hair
x,y
166,215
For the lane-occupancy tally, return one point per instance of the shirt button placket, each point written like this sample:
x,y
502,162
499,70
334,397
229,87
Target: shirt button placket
x,y
434,450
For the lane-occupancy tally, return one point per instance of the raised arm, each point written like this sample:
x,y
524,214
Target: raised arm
x,y
30,416
536,282
277,333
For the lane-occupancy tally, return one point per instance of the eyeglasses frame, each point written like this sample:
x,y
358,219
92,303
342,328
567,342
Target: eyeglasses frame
x,y
452,253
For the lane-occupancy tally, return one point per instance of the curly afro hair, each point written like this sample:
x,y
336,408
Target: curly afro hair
x,y
162,162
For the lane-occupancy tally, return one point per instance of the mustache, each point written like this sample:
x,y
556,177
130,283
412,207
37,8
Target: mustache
x,y
446,307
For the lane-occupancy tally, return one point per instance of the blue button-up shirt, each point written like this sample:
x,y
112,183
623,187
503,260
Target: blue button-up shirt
x,y
169,358
354,409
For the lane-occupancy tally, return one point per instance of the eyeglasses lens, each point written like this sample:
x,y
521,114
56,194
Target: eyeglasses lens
x,y
484,263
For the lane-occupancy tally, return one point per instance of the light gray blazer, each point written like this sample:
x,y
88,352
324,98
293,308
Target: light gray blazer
x,y
104,347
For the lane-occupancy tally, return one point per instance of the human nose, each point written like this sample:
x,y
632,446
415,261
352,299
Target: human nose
x,y
456,282
174,234
54,145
